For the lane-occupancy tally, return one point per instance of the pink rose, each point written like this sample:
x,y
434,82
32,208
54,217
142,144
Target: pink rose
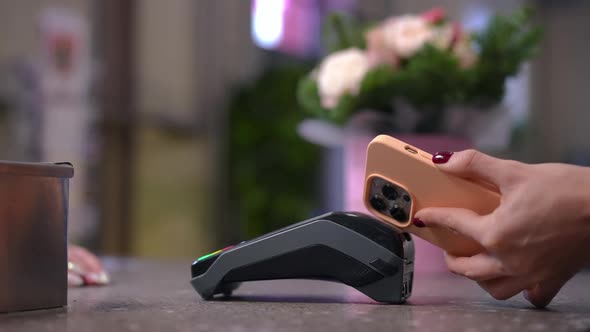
x,y
379,52
457,33
407,34
434,16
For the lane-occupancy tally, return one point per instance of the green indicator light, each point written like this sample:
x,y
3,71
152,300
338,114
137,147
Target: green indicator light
x,y
209,255
204,257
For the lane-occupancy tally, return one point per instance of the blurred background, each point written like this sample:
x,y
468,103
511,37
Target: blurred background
x,y
181,116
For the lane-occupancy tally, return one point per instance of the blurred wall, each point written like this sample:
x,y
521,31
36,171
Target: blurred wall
x,y
169,196
18,25
189,56
226,56
166,57
29,130
185,58
561,84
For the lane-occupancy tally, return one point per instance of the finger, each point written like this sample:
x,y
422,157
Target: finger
x,y
480,267
504,288
474,164
85,260
74,279
462,221
543,293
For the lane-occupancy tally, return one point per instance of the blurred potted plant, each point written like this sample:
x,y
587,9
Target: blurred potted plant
x,y
267,159
401,76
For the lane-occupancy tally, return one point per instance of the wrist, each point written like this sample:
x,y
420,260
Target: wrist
x,y
584,193
585,208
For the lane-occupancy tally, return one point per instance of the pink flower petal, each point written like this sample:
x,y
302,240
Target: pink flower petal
x,y
434,15
457,33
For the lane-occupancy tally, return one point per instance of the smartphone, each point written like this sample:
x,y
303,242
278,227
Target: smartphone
x,y
401,179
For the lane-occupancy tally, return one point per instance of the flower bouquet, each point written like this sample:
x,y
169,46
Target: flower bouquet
x,y
425,61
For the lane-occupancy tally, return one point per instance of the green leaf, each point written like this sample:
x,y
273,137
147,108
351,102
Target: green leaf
x,y
346,106
265,150
376,90
308,96
504,46
430,79
340,32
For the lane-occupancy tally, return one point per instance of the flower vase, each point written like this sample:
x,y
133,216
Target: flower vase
x,y
429,259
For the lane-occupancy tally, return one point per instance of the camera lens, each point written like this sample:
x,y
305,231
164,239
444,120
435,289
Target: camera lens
x,y
406,197
398,213
377,203
389,192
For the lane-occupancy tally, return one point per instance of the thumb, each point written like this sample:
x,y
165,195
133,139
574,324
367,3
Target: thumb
x,y
476,165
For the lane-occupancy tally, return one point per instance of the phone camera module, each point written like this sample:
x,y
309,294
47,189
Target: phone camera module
x,y
398,213
389,192
377,203
390,200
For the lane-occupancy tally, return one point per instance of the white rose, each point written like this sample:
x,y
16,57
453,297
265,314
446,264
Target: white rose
x,y
407,34
340,73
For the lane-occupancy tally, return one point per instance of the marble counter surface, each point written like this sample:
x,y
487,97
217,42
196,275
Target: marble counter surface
x,y
156,296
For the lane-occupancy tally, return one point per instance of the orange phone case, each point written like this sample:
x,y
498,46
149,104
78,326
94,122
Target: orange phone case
x,y
412,169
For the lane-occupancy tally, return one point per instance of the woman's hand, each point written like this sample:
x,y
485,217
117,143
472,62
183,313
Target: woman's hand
x,y
538,237
84,268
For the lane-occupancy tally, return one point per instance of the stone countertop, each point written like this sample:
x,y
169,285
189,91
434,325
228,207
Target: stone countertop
x,y
157,296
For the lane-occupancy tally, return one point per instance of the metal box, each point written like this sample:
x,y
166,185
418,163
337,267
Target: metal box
x,y
33,235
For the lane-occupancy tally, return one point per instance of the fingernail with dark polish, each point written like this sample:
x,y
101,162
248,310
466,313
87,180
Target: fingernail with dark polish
x,y
441,157
418,223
